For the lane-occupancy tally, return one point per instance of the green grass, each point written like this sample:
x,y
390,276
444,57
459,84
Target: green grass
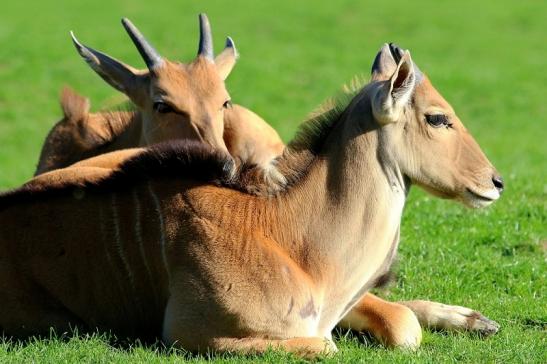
x,y
487,58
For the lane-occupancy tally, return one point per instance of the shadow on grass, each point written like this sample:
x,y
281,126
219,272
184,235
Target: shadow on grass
x,y
107,338
362,338
130,345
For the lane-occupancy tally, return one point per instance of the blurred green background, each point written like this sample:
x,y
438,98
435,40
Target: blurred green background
x,y
487,58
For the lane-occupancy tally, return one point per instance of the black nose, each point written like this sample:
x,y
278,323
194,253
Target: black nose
x,y
498,183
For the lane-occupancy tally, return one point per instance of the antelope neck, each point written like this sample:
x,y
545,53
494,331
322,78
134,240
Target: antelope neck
x,y
348,210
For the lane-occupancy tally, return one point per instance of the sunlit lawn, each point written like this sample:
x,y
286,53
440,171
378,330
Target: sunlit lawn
x,y
487,58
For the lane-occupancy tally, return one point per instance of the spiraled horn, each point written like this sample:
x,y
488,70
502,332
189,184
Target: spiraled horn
x,y
205,38
148,53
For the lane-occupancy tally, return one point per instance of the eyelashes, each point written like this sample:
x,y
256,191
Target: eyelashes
x,y
438,120
162,107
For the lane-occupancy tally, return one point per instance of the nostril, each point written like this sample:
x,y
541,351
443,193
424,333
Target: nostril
x,y
498,183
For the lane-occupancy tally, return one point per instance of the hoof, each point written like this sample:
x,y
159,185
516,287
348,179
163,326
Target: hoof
x,y
482,325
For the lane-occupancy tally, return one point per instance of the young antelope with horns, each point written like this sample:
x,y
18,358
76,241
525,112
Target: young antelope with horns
x,y
213,268
174,101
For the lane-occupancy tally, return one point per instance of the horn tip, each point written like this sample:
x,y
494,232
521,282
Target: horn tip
x,y
75,40
126,23
205,38
230,44
396,51
204,20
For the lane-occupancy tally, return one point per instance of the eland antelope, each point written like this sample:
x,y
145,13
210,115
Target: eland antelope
x,y
173,101
211,267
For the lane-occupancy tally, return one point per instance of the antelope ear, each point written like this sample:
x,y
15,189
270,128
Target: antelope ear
x,y
384,64
118,75
395,94
226,60
403,81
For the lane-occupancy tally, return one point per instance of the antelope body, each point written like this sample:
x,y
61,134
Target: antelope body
x,y
217,268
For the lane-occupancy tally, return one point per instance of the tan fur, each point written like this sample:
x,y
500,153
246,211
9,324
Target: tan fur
x,y
199,109
391,323
73,175
366,311
248,138
218,269
80,134
446,317
194,91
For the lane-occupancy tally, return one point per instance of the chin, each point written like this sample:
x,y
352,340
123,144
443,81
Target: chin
x,y
444,194
474,199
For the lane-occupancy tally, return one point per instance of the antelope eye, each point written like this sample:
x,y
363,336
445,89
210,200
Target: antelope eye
x,y
227,104
437,120
162,107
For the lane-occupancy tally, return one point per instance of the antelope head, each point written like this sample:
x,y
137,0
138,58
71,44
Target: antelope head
x,y
176,100
424,136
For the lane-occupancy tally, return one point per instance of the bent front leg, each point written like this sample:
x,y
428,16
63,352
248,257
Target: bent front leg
x,y
391,323
435,315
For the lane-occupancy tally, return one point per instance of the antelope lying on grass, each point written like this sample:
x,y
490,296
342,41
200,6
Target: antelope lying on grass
x,y
252,140
211,267
174,101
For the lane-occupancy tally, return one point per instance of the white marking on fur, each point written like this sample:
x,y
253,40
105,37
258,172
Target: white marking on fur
x,y
138,236
478,200
492,194
272,176
117,242
162,226
105,240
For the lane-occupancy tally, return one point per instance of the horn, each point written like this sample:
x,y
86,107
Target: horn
x,y
148,53
230,44
396,52
205,38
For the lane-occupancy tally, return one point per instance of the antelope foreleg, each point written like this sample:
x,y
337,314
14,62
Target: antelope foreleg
x,y
391,323
439,316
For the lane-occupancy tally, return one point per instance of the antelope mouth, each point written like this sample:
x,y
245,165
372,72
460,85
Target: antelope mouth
x,y
476,199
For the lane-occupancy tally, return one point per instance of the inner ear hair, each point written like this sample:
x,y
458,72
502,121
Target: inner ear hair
x,y
402,76
226,60
404,79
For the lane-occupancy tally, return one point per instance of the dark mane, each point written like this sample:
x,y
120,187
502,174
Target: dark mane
x,y
175,159
311,134
304,148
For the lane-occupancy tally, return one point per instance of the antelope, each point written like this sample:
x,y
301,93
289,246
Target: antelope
x,y
173,101
211,267
249,138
